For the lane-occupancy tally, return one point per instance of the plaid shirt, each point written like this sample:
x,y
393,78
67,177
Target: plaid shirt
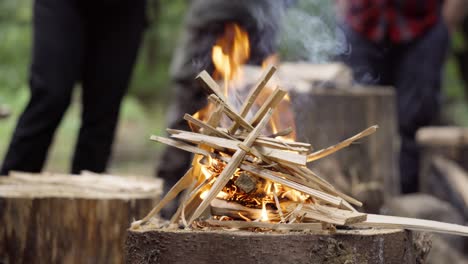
x,y
395,20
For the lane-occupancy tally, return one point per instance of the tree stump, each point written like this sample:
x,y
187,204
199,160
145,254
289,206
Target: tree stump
x,y
449,142
367,170
70,219
444,164
351,246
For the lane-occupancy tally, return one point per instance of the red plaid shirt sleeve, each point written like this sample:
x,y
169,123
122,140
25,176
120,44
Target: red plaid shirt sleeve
x,y
395,20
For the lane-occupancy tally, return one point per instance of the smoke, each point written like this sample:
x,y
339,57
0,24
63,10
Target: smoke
x,y
310,32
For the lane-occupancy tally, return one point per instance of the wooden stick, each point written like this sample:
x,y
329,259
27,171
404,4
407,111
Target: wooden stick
x,y
280,144
208,129
282,133
384,221
230,112
210,85
253,96
310,175
222,143
221,207
273,100
325,152
181,185
231,167
216,116
266,225
278,177
180,145
329,214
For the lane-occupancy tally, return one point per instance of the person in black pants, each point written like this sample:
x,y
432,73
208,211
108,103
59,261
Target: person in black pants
x,y
91,42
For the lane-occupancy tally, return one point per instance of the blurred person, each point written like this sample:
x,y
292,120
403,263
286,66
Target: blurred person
x,y
401,44
205,21
91,42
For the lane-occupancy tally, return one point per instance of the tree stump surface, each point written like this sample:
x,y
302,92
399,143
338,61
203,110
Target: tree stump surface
x,y
350,246
367,169
70,219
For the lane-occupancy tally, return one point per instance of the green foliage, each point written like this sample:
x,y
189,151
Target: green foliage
x,y
151,78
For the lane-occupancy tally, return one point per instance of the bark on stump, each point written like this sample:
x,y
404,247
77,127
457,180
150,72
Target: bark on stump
x,y
352,246
70,219
368,169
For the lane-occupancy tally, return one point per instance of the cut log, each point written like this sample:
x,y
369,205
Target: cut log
x,y
444,164
70,219
446,180
302,76
218,246
325,117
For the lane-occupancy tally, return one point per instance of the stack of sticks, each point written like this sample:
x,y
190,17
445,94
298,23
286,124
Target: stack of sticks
x,y
237,170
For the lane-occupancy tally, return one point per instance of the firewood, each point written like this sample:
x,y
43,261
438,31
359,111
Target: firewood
x,y
180,145
330,150
181,185
282,133
310,175
237,211
281,178
329,214
253,96
230,112
273,100
226,174
280,144
210,85
216,116
209,130
246,182
222,143
266,225
384,221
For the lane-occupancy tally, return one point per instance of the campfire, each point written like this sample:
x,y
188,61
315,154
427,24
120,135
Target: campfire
x,y
248,171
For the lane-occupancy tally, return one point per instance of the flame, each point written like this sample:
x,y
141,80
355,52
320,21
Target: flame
x,y
206,172
264,214
220,195
229,53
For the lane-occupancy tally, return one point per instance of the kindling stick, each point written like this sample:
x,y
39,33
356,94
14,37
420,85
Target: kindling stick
x,y
253,96
231,167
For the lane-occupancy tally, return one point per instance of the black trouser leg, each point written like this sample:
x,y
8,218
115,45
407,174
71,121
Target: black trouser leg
x,y
111,49
415,71
418,75
56,59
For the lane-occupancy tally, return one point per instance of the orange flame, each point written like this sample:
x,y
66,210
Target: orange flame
x,y
230,52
